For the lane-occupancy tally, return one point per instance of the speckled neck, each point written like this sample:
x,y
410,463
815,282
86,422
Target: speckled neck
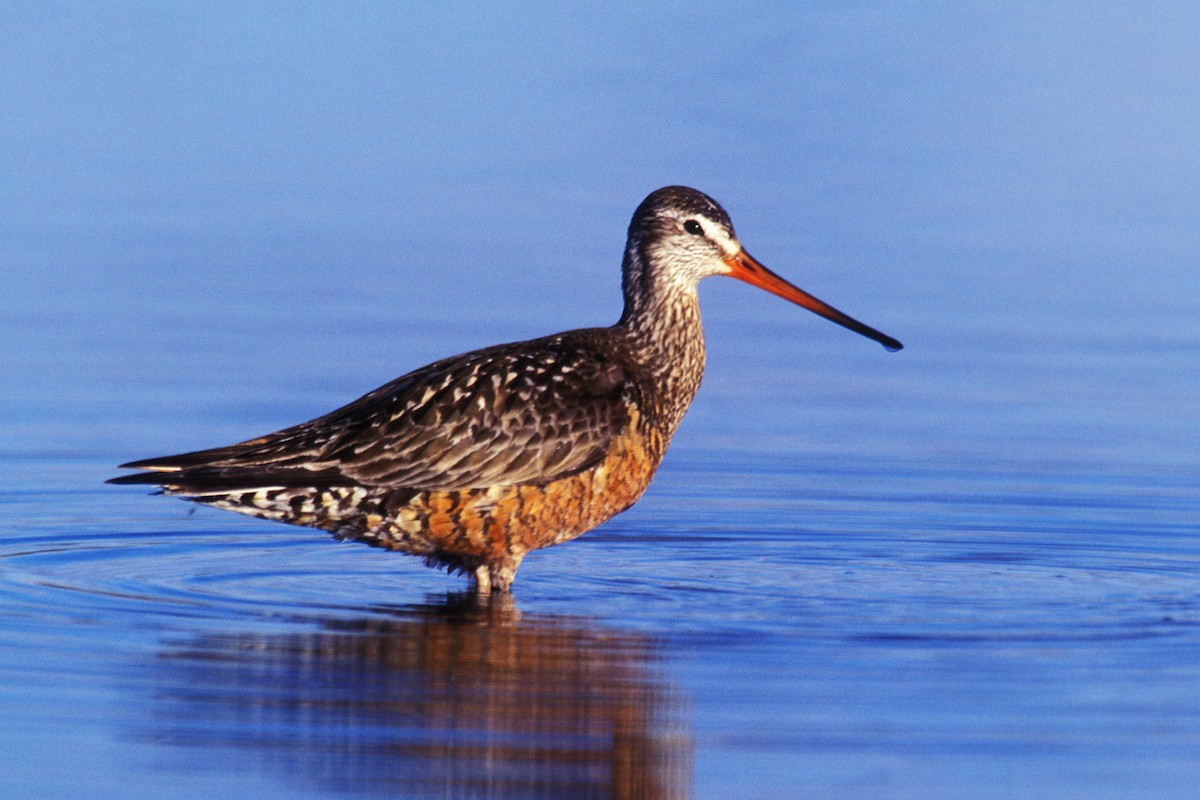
x,y
661,323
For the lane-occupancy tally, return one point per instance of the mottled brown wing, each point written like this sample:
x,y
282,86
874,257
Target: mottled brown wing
x,y
530,413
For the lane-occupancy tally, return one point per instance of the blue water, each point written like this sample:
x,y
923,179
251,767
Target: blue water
x,y
968,569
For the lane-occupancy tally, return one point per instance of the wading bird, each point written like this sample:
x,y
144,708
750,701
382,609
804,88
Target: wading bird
x,y
475,460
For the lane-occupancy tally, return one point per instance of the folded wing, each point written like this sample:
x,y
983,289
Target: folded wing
x,y
500,416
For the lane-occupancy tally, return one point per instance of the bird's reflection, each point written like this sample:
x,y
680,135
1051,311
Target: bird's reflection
x,y
454,698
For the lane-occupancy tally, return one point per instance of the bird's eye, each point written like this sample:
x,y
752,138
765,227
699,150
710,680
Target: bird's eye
x,y
693,227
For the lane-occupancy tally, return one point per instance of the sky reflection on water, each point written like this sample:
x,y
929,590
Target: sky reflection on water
x,y
968,568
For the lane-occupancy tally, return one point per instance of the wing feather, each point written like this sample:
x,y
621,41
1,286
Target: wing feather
x,y
530,413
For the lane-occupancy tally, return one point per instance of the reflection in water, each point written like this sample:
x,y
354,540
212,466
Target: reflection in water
x,y
452,699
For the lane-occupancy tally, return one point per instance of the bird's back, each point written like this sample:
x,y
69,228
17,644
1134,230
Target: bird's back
x,y
500,450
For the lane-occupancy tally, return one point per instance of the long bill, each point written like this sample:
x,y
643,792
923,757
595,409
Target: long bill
x,y
745,268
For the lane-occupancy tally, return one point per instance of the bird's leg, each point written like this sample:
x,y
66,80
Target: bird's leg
x,y
481,580
495,576
505,572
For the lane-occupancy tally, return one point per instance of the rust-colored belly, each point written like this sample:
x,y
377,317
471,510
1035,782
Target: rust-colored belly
x,y
501,522
475,525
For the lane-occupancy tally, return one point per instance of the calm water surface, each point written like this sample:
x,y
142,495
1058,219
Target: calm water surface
x,y
775,619
969,569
